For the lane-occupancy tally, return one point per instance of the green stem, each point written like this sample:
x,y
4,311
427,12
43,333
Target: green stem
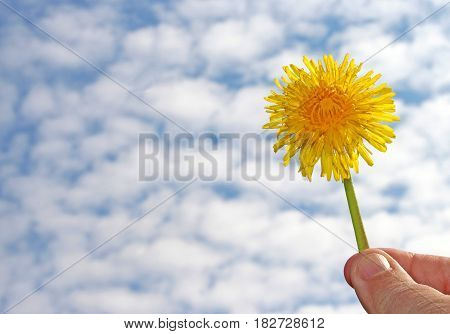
x,y
358,226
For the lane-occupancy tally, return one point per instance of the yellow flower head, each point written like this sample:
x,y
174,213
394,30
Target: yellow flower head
x,y
330,114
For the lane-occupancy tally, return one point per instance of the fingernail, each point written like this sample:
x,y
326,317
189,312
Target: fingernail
x,y
371,265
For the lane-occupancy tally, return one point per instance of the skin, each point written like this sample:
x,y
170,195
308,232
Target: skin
x,y
394,281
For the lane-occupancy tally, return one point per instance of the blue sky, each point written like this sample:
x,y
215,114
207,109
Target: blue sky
x,y
69,143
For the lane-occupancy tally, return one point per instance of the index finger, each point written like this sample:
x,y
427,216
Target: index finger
x,y
429,270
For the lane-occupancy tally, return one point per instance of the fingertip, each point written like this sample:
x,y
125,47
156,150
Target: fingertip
x,y
354,259
348,268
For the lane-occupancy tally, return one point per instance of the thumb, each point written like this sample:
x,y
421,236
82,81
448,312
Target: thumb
x,y
383,286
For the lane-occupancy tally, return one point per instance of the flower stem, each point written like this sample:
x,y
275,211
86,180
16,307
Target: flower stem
x,y
358,226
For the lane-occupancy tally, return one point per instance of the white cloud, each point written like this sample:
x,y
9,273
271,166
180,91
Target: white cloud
x,y
90,33
234,42
193,102
8,96
39,102
170,44
413,62
151,54
117,300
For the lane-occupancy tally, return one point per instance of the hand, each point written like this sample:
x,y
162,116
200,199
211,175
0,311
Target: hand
x,y
394,281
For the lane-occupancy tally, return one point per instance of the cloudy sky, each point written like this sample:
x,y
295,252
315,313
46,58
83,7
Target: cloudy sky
x,y
75,95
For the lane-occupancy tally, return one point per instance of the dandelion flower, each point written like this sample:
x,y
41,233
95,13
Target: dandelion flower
x,y
330,114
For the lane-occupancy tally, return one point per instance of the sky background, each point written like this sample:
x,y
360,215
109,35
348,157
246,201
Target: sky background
x,y
69,154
